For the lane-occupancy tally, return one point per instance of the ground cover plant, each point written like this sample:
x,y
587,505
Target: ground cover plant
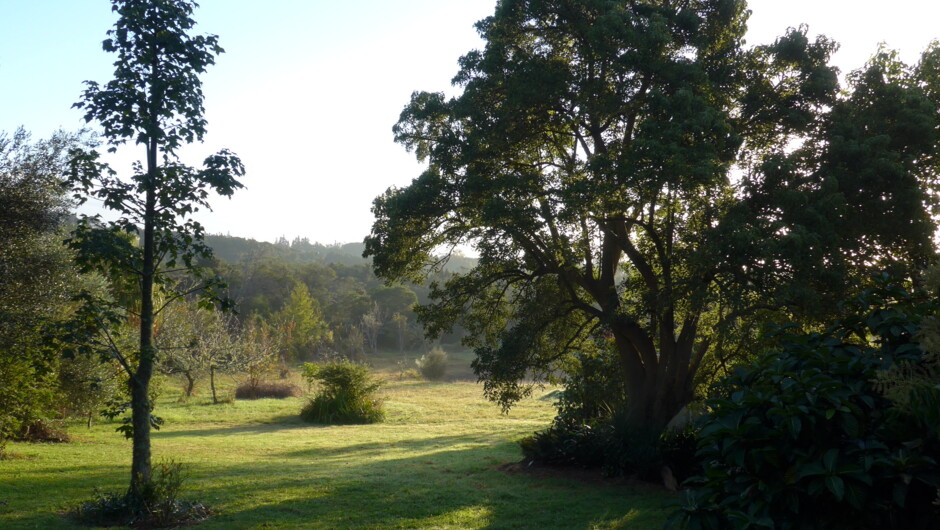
x,y
434,463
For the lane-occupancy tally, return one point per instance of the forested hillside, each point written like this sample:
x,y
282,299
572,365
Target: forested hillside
x,y
328,290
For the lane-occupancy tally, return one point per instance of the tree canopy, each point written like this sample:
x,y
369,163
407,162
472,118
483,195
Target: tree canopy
x,y
634,178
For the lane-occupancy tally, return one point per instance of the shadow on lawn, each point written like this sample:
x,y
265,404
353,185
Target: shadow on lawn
x,y
284,422
437,487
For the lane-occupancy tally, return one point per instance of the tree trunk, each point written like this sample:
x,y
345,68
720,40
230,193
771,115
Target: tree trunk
x,y
215,400
190,385
654,396
140,380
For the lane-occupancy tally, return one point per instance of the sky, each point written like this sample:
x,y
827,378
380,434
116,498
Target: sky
x,y
308,90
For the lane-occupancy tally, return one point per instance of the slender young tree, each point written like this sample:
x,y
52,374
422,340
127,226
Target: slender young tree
x,y
154,101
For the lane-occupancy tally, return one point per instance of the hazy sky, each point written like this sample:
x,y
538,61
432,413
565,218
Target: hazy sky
x,y
308,90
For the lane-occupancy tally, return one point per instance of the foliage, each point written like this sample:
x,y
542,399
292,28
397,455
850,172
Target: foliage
x,y
588,160
433,365
346,394
267,389
158,507
86,385
592,431
155,100
803,438
196,342
36,275
301,325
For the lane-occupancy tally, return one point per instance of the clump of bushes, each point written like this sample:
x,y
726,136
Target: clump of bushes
x,y
808,437
590,429
267,389
158,506
346,394
433,365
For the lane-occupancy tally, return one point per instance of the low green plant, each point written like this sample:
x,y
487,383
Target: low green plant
x,y
346,394
433,365
158,506
805,439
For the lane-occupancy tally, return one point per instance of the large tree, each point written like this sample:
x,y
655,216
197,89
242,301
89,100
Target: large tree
x,y
155,101
630,172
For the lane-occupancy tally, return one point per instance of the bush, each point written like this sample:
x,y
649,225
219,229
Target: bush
x,y
614,445
267,389
43,430
804,439
346,394
159,506
433,365
589,430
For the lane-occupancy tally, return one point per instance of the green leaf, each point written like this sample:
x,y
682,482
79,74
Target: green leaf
x,y
836,486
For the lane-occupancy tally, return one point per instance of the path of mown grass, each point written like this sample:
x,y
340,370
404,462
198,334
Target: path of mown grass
x,y
432,464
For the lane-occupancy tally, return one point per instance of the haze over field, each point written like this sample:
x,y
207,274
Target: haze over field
x,y
308,91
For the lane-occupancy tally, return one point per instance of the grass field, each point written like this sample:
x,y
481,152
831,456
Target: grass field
x,y
439,461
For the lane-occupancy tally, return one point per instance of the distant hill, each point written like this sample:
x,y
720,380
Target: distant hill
x,y
233,249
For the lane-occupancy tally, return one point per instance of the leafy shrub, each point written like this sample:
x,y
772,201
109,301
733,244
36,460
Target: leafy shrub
x,y
677,448
158,506
589,430
267,389
614,445
346,394
804,439
433,365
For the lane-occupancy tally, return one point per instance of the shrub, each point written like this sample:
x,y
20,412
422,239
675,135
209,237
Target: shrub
x,y
804,439
267,389
588,430
346,394
433,365
159,506
43,430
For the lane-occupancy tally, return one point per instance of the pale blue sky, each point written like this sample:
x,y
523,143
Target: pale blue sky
x,y
309,89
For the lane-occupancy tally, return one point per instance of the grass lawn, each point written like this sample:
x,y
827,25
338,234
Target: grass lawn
x,y
435,463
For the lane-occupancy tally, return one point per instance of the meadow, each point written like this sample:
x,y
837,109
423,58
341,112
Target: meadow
x,y
444,458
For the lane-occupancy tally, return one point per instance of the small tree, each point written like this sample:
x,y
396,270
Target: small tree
x,y
155,100
372,323
194,341
301,323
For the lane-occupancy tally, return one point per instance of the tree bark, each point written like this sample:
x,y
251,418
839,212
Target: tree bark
x,y
215,400
140,380
190,385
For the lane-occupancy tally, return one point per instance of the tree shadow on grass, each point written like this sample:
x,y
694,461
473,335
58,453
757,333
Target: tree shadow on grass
x,y
422,483
278,423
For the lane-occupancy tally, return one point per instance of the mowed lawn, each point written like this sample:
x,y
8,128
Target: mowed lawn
x,y
437,462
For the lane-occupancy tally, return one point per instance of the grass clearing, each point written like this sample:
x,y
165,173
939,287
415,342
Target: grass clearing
x,y
435,463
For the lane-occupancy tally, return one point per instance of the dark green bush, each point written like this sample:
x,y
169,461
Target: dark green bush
x,y
346,394
804,439
591,431
158,506
433,365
